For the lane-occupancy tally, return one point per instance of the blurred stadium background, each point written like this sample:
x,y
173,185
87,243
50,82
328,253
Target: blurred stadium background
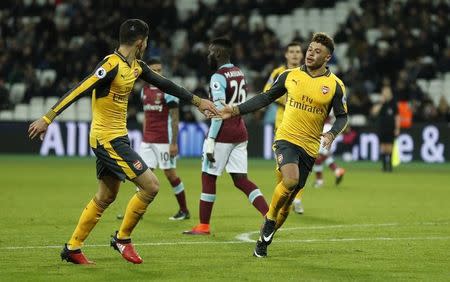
x,y
375,226
48,46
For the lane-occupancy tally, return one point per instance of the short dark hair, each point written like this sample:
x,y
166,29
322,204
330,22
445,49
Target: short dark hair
x,y
324,39
132,30
292,44
154,61
223,43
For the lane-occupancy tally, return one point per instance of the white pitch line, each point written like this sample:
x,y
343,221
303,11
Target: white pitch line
x,y
329,240
136,244
245,237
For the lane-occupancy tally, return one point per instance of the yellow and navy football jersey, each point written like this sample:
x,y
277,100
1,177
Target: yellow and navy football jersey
x,y
309,102
110,86
110,102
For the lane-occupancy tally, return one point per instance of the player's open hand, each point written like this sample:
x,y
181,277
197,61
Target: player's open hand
x,y
38,127
209,149
207,108
173,150
327,140
226,112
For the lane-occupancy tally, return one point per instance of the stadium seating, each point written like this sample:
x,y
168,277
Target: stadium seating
x,y
17,92
303,19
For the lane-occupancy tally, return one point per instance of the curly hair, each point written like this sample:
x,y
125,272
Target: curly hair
x,y
324,39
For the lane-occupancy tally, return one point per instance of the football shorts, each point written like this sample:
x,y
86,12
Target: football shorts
x,y
286,153
157,155
118,159
229,156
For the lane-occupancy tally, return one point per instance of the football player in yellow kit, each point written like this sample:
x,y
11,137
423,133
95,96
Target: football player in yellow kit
x,y
110,85
312,91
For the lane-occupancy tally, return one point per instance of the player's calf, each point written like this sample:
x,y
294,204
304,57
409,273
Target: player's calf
x,y
253,193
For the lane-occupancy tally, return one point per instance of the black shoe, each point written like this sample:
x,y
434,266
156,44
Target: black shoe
x,y
180,215
260,250
267,231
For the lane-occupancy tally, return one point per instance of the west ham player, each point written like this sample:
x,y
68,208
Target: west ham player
x,y
110,85
160,129
312,91
226,144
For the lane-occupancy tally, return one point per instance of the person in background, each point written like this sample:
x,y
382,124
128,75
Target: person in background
x,y
388,121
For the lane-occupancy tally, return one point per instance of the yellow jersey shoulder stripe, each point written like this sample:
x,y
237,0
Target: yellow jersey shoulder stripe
x,y
103,73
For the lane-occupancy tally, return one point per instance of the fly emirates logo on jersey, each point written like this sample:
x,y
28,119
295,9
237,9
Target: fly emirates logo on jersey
x,y
120,98
306,104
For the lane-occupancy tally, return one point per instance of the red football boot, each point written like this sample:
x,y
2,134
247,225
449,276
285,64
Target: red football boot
x,y
126,249
74,256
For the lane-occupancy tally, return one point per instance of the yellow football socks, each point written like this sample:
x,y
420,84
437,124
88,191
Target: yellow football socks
x,y
284,211
135,210
281,217
279,198
88,219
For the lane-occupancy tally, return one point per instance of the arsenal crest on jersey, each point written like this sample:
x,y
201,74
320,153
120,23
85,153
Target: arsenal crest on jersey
x,y
136,73
325,90
137,165
280,158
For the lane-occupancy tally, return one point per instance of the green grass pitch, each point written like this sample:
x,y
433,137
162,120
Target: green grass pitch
x,y
374,226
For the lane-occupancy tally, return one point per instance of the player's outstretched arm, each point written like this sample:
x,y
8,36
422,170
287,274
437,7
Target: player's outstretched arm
x,y
205,106
103,74
339,104
259,101
218,87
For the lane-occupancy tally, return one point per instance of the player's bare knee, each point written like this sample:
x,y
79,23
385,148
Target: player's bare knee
x,y
146,196
290,183
104,199
152,187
